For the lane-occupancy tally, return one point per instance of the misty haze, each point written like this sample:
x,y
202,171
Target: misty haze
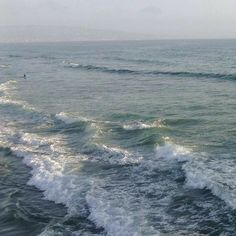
x,y
73,20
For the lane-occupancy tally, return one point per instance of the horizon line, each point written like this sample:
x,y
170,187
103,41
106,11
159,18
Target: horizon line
x,y
115,40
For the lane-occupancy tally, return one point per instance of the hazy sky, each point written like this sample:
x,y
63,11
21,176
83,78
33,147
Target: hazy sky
x,y
161,18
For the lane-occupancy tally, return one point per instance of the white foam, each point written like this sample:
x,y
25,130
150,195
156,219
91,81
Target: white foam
x,y
112,155
6,100
172,151
32,139
54,174
141,125
114,215
9,85
120,156
73,64
49,175
217,176
6,88
4,66
67,119
61,178
58,176
49,172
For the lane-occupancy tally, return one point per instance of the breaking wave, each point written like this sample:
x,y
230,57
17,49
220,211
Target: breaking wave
x,y
112,155
61,178
215,176
67,119
4,87
4,66
6,98
201,173
143,125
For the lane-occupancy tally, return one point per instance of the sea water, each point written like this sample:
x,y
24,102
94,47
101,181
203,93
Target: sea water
x,y
118,138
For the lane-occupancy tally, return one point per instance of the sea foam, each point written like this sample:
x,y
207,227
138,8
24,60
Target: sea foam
x,y
6,95
115,218
4,66
215,175
68,119
144,125
58,175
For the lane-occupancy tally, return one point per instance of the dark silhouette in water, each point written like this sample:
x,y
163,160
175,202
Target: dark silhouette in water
x,y
24,76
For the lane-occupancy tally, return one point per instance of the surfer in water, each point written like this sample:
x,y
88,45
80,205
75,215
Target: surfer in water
x,y
24,76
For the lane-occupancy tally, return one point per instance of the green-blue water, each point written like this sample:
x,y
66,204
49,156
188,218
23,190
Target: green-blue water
x,y
118,138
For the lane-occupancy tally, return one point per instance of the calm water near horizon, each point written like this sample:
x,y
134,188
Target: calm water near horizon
x,y
118,138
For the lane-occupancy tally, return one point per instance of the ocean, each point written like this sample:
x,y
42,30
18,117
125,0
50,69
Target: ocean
x,y
118,138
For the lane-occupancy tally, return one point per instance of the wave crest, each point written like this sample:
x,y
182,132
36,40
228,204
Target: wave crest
x,y
153,72
4,66
6,98
201,173
70,119
144,125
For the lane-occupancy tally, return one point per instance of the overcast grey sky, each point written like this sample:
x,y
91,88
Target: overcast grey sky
x,y
161,18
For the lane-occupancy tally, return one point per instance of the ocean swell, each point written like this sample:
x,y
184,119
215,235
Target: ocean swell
x,y
153,72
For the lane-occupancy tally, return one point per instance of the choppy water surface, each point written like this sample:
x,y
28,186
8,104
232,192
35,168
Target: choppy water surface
x,y
118,138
